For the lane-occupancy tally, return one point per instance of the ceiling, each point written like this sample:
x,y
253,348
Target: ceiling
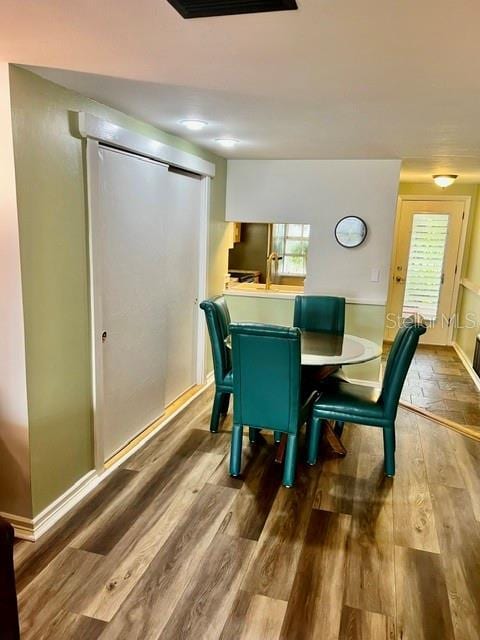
x,y
336,79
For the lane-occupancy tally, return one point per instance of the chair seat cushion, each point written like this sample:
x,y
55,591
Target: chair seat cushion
x,y
227,383
350,403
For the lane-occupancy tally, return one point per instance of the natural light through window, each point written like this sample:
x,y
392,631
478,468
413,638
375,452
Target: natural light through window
x,y
425,265
290,241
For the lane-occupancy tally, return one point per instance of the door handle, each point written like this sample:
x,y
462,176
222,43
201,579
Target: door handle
x,y
399,279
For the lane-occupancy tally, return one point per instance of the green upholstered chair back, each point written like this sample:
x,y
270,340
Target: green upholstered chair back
x,y
266,376
218,322
398,363
320,313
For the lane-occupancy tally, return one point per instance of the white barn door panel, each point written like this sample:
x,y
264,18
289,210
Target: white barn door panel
x,y
148,254
181,281
131,220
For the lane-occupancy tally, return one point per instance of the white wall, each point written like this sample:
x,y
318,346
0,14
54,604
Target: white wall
x,y
14,453
320,192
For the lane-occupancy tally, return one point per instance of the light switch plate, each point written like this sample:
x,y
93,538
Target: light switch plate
x,y
375,275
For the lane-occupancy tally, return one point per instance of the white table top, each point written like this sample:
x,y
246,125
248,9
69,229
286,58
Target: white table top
x,y
323,349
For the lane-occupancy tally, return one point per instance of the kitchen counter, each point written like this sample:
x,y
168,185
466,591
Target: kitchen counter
x,y
286,291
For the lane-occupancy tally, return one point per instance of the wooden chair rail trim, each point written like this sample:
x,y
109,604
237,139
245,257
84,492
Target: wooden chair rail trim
x,y
465,430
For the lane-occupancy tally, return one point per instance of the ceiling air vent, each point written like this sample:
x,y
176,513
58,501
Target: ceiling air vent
x,y
205,8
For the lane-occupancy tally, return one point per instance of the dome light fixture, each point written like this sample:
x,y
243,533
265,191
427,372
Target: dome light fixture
x,y
194,125
228,143
444,179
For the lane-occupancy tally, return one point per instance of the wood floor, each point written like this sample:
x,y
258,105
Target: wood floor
x,y
438,381
171,547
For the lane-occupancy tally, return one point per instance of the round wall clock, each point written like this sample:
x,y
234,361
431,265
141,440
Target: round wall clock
x,y
350,231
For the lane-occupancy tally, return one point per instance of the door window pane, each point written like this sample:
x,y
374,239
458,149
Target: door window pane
x,y
425,265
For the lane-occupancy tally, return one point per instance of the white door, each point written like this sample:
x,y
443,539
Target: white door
x,y
425,265
131,219
181,281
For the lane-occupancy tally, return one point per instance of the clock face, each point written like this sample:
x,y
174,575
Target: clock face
x,y
350,231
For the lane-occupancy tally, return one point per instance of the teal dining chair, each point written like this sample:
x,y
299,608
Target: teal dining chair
x,y
320,313
347,402
267,389
218,321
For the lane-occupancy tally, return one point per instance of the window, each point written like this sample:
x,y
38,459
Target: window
x,y
290,241
425,264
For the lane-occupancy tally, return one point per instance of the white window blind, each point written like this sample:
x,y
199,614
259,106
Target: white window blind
x,y
290,241
425,264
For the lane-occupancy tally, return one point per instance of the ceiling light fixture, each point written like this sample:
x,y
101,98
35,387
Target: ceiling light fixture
x,y
194,125
205,8
444,179
228,143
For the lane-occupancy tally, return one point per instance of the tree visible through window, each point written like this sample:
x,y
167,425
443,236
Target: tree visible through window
x,y
290,241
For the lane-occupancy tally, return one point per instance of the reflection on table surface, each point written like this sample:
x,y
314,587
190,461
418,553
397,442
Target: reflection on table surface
x,y
321,348
323,344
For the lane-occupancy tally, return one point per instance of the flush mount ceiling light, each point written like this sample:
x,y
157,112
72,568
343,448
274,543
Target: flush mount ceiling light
x,y
228,143
444,179
194,125
206,8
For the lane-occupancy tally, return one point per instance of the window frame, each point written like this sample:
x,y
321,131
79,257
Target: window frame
x,y
283,254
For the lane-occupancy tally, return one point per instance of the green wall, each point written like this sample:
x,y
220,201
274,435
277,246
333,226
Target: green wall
x,y
468,309
51,192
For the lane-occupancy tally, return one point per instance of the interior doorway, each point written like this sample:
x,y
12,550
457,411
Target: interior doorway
x,y
426,265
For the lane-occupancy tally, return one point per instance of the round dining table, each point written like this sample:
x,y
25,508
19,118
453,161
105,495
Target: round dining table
x,y
327,352
323,349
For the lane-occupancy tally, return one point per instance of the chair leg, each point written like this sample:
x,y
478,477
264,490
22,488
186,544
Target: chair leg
x,y
315,431
217,406
236,450
224,404
277,437
290,461
389,451
252,435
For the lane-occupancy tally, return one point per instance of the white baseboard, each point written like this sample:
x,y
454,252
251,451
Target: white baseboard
x,y
62,505
23,526
467,364
33,528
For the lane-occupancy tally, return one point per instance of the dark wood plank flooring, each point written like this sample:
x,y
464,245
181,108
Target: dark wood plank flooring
x,y
438,381
171,547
